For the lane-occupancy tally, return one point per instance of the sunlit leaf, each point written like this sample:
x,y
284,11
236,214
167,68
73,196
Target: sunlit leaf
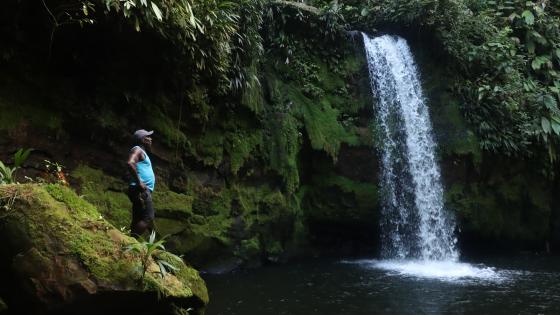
x,y
157,11
529,17
539,61
364,12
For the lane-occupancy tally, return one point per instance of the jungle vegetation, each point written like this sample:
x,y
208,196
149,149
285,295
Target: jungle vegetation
x,y
243,89
507,54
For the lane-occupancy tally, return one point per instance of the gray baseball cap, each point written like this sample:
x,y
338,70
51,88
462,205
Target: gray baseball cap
x,y
140,134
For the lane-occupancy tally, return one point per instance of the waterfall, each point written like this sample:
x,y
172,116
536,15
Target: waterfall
x,y
414,223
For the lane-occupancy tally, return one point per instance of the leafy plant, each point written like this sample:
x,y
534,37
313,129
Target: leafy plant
x,y
152,250
7,173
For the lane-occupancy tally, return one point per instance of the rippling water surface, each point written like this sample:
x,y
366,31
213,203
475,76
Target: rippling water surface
x,y
512,285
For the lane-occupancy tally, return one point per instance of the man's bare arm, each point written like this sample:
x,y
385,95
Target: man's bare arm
x,y
136,156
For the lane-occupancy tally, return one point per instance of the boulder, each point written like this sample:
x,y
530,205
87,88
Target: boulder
x,y
60,256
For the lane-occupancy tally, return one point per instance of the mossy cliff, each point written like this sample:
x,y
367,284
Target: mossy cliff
x,y
242,175
501,202
61,256
264,146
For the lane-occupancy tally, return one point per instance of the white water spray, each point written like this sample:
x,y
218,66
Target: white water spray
x,y
415,224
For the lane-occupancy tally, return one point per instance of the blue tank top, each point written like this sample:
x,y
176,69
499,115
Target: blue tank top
x,y
145,171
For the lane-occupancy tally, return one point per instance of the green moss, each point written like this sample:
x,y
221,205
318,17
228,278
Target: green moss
x,y
240,146
324,130
273,249
85,237
283,146
458,139
167,129
99,189
17,113
248,249
169,226
366,193
209,148
232,221
320,97
199,107
261,204
57,219
171,204
334,198
477,208
252,96
106,193
502,209
68,197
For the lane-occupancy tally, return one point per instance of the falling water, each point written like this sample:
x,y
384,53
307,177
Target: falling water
x,y
415,224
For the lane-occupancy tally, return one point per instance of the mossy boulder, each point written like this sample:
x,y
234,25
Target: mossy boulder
x,y
61,256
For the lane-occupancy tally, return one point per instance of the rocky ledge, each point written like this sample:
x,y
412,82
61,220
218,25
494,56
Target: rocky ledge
x,y
60,256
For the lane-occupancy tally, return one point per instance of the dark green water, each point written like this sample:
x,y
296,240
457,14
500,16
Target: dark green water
x,y
508,285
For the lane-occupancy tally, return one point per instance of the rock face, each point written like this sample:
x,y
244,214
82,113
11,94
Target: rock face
x,y
61,256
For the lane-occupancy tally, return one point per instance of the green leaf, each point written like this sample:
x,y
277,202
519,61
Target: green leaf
x,y
364,12
535,64
539,61
20,156
545,124
549,102
529,17
7,173
162,269
157,11
557,53
168,265
530,44
555,127
539,38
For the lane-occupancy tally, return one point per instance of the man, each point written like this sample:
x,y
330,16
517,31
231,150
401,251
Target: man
x,y
141,184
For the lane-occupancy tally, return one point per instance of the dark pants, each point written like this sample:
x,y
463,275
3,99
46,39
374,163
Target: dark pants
x,y
142,210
